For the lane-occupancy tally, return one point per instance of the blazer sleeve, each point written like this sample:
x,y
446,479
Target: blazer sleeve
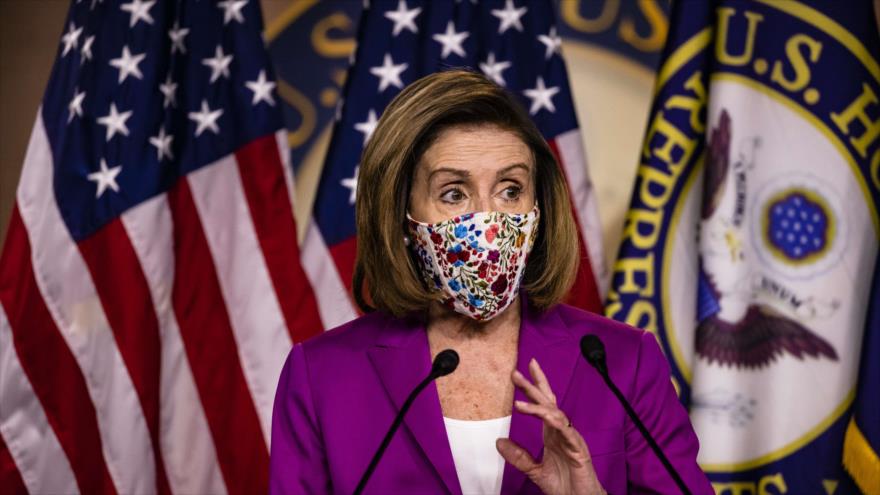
x,y
297,463
655,401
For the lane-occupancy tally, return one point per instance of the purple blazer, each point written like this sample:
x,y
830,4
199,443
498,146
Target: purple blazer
x,y
340,390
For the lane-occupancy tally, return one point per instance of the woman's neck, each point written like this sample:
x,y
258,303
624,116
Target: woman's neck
x,y
450,327
481,387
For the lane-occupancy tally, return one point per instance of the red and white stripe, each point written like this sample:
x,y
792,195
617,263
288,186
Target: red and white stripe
x,y
334,300
569,148
144,358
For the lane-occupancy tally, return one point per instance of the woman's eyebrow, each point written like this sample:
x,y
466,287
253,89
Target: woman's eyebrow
x,y
454,171
510,168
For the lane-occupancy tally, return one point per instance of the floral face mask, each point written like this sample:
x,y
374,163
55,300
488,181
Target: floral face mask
x,y
477,260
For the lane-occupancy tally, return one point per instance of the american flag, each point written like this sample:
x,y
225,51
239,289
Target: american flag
x,y
513,42
150,286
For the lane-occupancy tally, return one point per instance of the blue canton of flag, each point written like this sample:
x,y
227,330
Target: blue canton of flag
x,y
514,43
145,94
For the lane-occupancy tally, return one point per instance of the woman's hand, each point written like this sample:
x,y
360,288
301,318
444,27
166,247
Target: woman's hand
x,y
566,467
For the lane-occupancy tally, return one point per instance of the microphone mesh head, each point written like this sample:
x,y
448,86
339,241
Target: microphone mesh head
x,y
593,349
445,363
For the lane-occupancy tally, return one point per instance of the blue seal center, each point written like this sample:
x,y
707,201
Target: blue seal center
x,y
798,226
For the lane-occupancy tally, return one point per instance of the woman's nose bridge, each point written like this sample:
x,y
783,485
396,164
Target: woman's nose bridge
x,y
481,202
482,185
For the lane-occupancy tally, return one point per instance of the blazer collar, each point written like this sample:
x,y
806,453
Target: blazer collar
x,y
402,358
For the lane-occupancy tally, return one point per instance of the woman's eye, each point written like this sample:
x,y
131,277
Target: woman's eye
x,y
511,193
452,196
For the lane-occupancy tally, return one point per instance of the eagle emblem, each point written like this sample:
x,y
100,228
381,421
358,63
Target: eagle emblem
x,y
734,329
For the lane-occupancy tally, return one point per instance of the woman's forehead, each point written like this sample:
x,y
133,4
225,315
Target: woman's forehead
x,y
465,148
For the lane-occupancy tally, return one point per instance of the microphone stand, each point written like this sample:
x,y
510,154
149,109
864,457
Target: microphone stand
x,y
444,363
394,426
594,352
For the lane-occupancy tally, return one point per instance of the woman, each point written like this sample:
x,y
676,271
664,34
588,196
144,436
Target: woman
x,y
466,241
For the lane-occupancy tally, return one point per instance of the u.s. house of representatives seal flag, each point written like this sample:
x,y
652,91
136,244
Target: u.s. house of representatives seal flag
x,y
752,236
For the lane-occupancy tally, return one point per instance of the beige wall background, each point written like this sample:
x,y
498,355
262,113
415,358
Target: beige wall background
x,y
29,34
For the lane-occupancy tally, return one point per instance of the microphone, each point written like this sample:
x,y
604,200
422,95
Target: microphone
x,y
444,363
594,352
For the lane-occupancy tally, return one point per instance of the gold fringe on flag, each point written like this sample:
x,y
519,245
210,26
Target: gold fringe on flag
x,y
860,460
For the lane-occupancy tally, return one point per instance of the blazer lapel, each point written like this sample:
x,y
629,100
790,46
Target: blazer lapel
x,y
402,359
546,338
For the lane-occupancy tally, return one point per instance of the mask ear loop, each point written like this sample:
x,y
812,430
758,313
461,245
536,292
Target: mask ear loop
x,y
409,218
406,239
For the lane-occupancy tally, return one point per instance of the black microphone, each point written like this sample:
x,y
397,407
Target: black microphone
x,y
594,352
444,364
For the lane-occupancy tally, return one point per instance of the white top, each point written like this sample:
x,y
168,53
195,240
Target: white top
x,y
478,464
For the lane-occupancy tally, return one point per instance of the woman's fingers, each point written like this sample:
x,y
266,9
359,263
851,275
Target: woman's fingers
x,y
531,391
549,414
554,418
541,379
515,455
540,390
557,420
545,407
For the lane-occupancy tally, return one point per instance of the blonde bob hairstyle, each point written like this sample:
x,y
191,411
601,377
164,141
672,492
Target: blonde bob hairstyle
x,y
385,275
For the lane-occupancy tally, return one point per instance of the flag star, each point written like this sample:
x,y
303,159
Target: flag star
x,y
177,34
219,64
262,89
74,108
86,51
105,178
206,119
232,10
128,64
71,38
139,10
169,89
369,126
162,142
351,183
551,42
509,17
388,73
541,97
493,69
92,7
115,122
451,41
403,18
